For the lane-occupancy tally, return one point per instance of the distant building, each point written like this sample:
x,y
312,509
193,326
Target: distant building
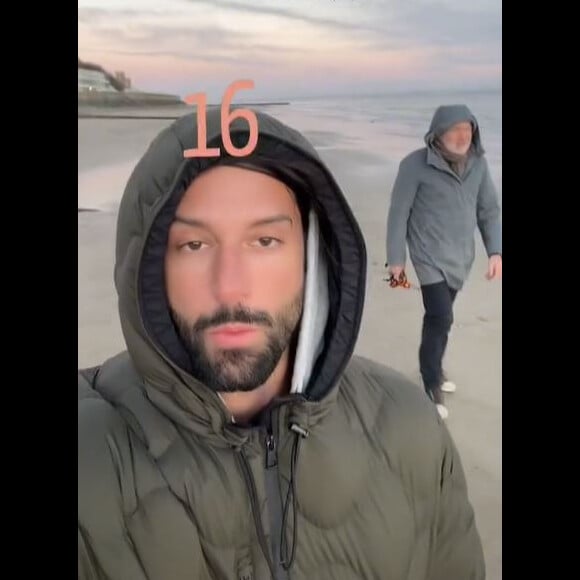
x,y
93,80
92,77
97,87
123,79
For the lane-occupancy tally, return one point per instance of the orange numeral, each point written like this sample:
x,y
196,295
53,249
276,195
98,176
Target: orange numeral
x,y
227,118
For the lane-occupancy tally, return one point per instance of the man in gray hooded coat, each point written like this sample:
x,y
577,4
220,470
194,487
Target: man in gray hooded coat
x,y
441,194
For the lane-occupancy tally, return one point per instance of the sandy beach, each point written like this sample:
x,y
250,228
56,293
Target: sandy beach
x,y
107,152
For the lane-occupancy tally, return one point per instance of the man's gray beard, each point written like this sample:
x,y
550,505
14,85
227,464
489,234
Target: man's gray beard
x,y
241,369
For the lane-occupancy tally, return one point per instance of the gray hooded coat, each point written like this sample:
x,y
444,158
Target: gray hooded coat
x,y
436,211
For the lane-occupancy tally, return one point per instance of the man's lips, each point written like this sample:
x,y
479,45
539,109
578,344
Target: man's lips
x,y
231,335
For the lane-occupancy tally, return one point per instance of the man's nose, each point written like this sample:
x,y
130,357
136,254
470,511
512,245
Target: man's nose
x,y
230,277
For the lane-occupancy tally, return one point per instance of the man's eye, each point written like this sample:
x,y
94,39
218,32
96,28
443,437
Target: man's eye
x,y
268,242
192,246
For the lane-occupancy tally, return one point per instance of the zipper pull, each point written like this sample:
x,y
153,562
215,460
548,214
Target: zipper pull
x,y
271,451
271,458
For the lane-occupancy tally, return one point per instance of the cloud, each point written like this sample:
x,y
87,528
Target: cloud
x,y
94,16
212,43
321,40
393,22
441,24
389,24
268,10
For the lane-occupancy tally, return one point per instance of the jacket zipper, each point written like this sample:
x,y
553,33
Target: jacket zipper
x,y
273,498
273,495
251,484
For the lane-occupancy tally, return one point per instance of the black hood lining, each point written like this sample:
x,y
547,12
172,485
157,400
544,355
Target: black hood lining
x,y
341,236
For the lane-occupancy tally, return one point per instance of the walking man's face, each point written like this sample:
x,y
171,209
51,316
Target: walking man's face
x,y
458,138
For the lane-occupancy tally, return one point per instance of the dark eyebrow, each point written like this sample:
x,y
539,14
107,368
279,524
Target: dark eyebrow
x,y
272,220
263,222
190,222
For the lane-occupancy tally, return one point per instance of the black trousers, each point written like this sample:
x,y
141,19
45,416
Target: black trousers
x,y
438,301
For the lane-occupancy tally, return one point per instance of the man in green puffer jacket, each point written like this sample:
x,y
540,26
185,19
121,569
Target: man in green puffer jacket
x,y
238,438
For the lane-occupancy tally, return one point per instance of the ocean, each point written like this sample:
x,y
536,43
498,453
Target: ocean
x,y
376,132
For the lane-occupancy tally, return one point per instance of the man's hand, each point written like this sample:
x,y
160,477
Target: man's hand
x,y
494,268
396,271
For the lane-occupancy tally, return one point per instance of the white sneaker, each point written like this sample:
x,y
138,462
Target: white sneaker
x,y
437,397
448,387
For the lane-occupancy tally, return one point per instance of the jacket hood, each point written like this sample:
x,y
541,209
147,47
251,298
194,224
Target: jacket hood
x,y
335,279
448,115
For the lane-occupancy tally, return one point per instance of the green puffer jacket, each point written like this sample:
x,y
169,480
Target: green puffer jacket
x,y
356,478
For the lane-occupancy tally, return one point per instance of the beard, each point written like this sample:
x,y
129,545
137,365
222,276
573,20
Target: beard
x,y
460,149
239,369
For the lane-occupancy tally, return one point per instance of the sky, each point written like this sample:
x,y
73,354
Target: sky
x,y
295,48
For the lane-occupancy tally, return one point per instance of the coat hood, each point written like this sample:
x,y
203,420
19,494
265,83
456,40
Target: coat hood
x,y
335,279
448,115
